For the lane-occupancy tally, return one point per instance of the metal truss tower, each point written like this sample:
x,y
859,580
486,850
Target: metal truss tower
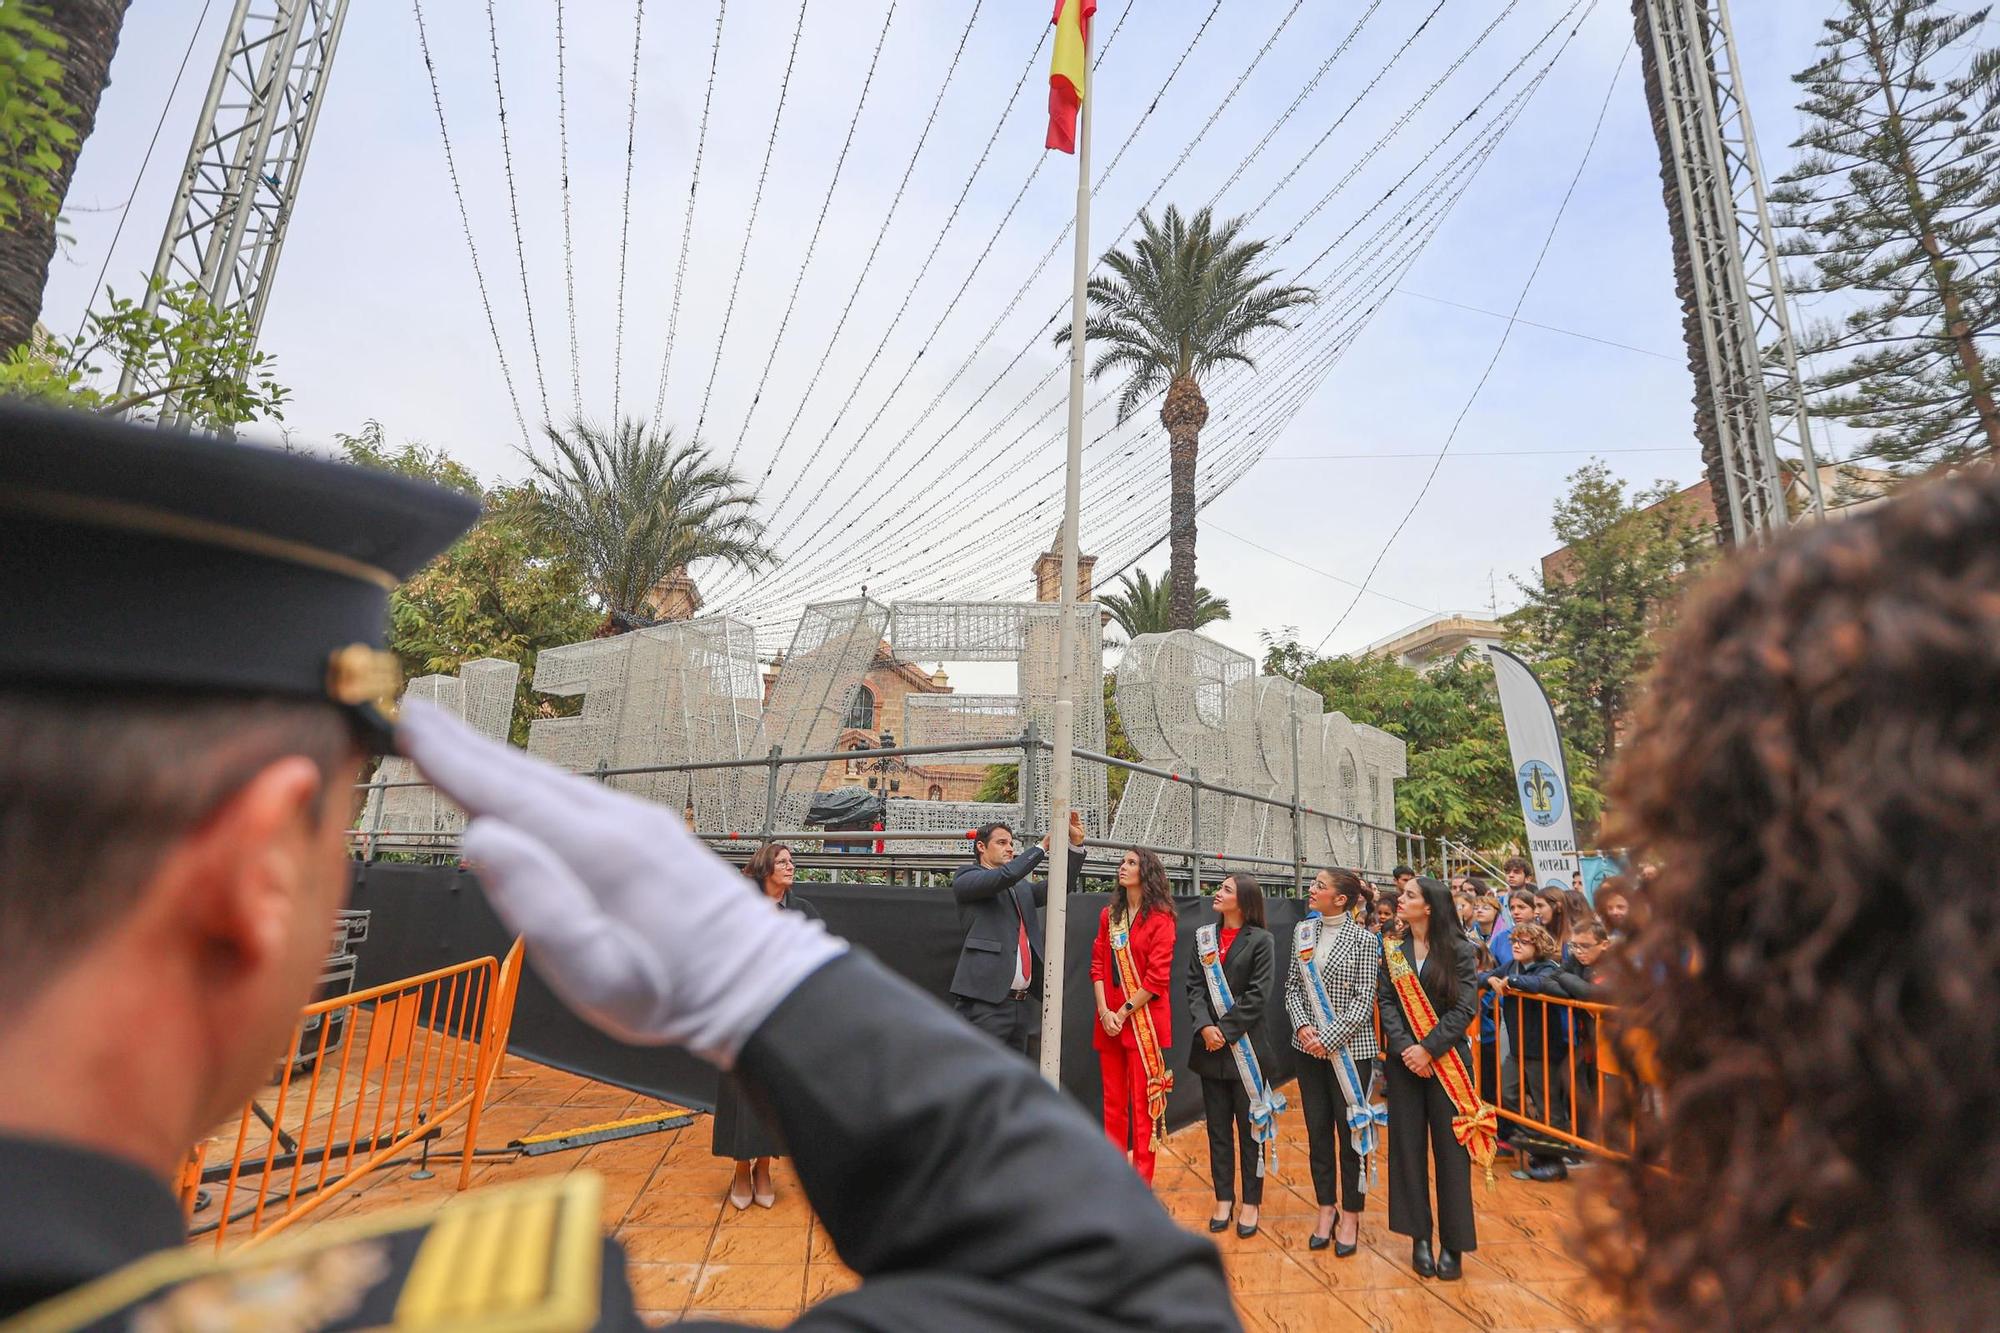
x,y
1750,408
236,193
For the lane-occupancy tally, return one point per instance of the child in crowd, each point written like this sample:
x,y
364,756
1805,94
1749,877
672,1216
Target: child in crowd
x,y
1579,978
1614,903
1540,1043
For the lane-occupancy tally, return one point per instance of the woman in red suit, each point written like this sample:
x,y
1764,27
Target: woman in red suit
x,y
1131,964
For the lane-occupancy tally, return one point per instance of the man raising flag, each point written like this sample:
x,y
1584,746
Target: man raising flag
x,y
1068,68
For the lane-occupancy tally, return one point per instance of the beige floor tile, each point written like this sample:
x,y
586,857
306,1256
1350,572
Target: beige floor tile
x,y
1270,1274
665,1245
1520,1261
1405,1310
756,1318
751,1286
1299,1313
658,1208
825,1280
661,1286
1500,1305
759,1245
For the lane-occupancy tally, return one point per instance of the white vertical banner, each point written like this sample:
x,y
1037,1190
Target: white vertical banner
x,y
1541,777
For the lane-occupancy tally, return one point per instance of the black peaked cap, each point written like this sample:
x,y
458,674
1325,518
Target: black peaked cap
x,y
141,559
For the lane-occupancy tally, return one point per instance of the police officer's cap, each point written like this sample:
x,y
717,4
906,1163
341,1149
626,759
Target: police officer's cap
x,y
141,560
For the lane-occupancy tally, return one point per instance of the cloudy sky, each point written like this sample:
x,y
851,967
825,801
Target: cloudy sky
x,y
873,347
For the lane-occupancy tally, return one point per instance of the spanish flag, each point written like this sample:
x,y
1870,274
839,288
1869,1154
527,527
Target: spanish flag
x,y
1069,70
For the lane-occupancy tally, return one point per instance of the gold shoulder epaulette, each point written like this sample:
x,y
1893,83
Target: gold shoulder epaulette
x,y
523,1258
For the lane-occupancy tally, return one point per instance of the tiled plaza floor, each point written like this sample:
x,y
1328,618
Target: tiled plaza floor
x,y
692,1254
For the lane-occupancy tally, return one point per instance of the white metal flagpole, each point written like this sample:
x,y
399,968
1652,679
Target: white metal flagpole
x,y
1059,768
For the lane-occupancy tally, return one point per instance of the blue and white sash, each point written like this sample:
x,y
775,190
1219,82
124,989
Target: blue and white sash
x,y
1364,1119
1266,1102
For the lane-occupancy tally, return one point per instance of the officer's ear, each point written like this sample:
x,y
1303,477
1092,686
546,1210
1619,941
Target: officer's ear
x,y
249,876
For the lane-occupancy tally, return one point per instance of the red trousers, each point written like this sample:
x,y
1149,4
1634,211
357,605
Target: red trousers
x,y
1126,1123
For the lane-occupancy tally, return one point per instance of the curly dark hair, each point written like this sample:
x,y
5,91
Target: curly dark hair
x,y
1155,895
1817,758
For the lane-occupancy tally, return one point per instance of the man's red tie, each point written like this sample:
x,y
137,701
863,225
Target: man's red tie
x,y
1027,958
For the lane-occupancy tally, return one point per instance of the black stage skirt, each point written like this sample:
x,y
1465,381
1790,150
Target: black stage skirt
x,y
740,1132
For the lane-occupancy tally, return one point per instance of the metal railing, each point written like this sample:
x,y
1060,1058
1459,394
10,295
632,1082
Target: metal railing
x,y
1559,1096
1196,865
428,1045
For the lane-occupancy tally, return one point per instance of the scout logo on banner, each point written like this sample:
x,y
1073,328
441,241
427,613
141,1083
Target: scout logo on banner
x,y
1541,779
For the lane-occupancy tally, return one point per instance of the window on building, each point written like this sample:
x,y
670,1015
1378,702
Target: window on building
x,y
861,709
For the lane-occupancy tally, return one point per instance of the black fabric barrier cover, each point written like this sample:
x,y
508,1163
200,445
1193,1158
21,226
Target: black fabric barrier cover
x,y
428,916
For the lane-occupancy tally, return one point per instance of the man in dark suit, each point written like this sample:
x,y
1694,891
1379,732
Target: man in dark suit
x,y
997,967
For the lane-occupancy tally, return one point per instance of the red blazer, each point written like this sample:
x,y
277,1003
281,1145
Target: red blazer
x,y
1153,954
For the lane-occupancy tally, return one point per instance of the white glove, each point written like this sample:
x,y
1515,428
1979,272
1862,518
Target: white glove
x,y
634,923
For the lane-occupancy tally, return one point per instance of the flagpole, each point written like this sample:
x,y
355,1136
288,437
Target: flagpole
x,y
1065,721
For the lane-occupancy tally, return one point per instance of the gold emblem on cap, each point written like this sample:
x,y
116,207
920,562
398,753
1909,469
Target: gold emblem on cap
x,y
359,674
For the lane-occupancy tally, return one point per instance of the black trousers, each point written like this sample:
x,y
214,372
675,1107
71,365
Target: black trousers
x,y
1336,1167
1419,1140
1014,1023
1225,1103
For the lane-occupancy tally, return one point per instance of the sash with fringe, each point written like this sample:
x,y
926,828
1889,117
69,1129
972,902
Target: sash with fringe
x,y
1365,1120
1159,1079
1475,1122
1266,1102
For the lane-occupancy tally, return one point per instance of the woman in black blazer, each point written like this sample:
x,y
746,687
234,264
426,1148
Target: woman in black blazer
x,y
1249,965
1420,1111
740,1133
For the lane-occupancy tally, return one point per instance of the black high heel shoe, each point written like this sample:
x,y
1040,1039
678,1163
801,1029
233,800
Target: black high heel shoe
x,y
1318,1242
1218,1224
1420,1258
1448,1267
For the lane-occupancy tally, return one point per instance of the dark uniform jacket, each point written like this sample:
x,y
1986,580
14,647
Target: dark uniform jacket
x,y
1449,950
968,1193
1251,969
992,905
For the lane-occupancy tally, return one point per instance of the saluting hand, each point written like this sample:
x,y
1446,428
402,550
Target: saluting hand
x,y
602,886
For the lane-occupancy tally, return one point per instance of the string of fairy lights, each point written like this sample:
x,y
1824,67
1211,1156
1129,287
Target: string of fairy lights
x,y
912,442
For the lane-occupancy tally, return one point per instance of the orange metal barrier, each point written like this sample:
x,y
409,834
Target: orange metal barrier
x,y
1560,1094
382,1068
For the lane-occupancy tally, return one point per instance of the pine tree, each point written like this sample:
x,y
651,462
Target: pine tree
x,y
1896,201
1592,622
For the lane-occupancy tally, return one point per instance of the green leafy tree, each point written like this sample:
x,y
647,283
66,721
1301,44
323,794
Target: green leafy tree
x,y
631,506
55,60
202,359
1185,299
1460,783
1592,622
502,590
1145,607
1896,201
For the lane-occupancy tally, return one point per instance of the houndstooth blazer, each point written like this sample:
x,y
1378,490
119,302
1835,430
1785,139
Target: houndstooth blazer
x,y
1349,959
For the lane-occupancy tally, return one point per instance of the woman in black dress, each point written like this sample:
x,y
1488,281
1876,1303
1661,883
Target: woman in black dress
x,y
1420,1109
1249,965
740,1133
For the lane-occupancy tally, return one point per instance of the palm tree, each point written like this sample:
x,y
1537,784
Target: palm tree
x,y
635,506
83,36
1146,608
1183,300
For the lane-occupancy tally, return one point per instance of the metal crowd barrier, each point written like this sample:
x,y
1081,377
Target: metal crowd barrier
x,y
382,1068
1562,1096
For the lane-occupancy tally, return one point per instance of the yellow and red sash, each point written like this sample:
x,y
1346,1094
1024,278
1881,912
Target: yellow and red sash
x,y
1476,1122
1159,1078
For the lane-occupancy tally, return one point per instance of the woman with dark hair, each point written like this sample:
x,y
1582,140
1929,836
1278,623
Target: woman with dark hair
x,y
1811,996
1552,914
741,1134
1230,977
1330,999
1131,966
1428,1000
